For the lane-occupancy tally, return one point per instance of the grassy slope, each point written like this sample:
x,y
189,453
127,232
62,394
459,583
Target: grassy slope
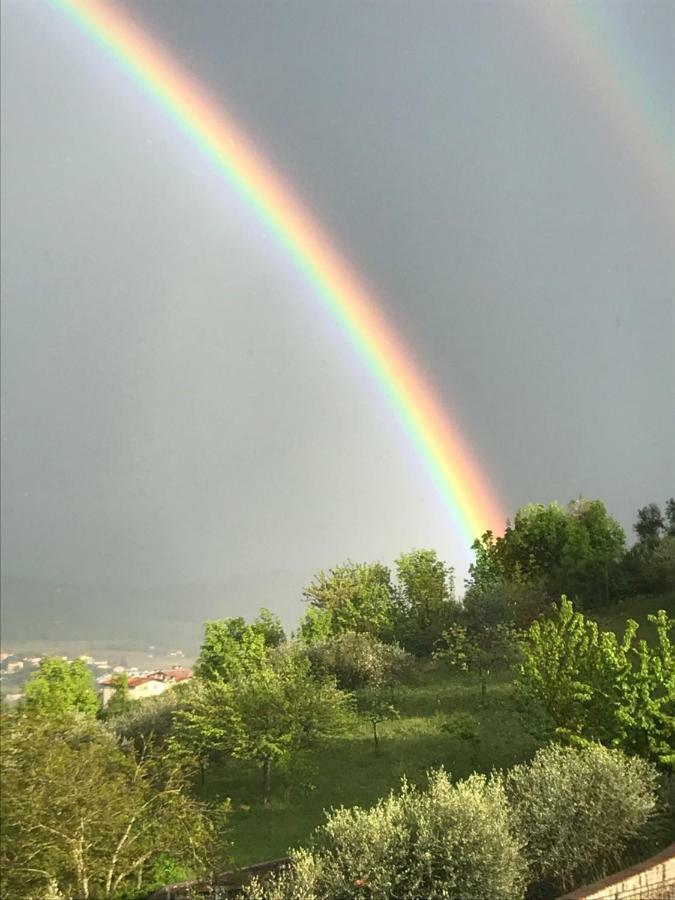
x,y
348,771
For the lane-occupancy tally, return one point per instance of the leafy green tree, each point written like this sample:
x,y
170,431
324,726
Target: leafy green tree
x,y
452,840
82,818
426,600
149,721
316,627
650,524
376,705
358,660
578,809
649,566
501,602
230,648
266,715
576,550
479,654
59,687
583,684
670,516
120,702
270,627
356,596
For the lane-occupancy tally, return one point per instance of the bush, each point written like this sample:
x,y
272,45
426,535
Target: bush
x,y
148,720
578,809
359,660
453,840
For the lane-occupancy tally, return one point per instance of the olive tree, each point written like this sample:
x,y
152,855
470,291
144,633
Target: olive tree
x,y
578,808
452,840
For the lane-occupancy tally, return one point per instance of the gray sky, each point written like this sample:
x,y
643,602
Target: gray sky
x,y
178,409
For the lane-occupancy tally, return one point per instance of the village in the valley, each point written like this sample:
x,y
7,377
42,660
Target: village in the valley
x,y
170,668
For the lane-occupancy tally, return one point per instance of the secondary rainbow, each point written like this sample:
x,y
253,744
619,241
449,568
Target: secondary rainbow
x,y
586,39
462,485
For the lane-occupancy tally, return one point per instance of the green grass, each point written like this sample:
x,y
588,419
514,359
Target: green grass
x,y
348,771
614,618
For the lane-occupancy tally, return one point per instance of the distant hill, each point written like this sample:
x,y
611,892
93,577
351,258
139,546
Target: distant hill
x,y
172,615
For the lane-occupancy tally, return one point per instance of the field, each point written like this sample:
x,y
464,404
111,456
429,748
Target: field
x,y
349,771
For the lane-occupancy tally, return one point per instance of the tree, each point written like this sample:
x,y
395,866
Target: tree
x,y
670,516
452,840
583,684
356,596
266,715
479,654
576,550
230,647
578,808
501,602
270,627
82,818
426,600
649,524
376,706
359,660
120,702
59,687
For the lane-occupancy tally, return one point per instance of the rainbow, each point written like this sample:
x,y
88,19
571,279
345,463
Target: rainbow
x,y
590,50
463,487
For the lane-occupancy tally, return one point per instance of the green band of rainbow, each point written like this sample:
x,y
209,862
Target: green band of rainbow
x,y
462,486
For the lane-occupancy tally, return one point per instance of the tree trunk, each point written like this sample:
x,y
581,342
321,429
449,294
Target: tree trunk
x,y
267,780
483,688
375,735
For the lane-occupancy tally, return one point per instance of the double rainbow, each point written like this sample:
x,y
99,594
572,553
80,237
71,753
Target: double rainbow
x,y
462,486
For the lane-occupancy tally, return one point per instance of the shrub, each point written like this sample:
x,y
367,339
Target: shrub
x,y
452,840
359,660
578,808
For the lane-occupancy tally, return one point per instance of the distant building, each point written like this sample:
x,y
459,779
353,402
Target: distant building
x,y
14,666
11,699
86,659
33,660
145,685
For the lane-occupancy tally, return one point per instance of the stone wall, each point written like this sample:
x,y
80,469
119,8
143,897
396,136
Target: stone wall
x,y
653,879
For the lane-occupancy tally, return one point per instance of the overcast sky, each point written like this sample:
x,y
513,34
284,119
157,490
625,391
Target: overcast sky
x,y
179,410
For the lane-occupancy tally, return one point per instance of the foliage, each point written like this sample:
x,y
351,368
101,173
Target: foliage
x,y
452,840
650,524
576,550
650,565
376,706
426,601
82,818
150,720
270,627
359,660
120,702
480,654
461,725
356,596
500,602
584,684
265,716
59,687
230,648
578,809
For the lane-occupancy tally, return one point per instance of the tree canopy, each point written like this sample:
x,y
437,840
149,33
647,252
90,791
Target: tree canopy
x,y
59,687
